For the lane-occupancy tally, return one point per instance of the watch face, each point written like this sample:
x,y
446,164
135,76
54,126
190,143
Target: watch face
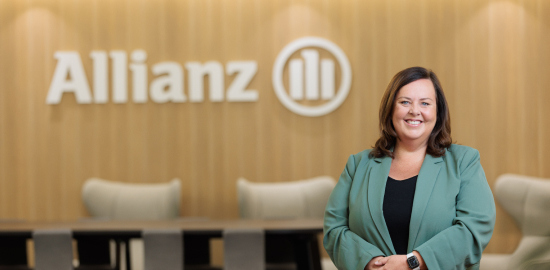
x,y
413,262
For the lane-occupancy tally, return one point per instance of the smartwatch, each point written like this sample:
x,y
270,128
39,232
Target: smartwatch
x,y
413,262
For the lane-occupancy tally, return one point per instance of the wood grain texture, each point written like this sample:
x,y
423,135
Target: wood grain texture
x,y
489,55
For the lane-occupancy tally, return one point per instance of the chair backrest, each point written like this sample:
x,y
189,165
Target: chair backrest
x,y
126,201
527,200
297,199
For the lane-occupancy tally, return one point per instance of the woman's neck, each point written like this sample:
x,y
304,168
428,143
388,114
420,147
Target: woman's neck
x,y
408,160
409,149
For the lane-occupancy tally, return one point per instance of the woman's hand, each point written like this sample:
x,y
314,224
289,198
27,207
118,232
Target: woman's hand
x,y
374,263
396,262
393,262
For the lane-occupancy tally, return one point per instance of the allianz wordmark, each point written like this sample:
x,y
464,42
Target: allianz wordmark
x,y
309,78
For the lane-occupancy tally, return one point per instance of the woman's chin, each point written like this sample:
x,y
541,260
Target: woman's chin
x,y
412,138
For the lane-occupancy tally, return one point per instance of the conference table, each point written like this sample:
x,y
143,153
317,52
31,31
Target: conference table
x,y
303,232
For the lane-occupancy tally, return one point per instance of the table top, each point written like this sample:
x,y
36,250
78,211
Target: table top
x,y
187,225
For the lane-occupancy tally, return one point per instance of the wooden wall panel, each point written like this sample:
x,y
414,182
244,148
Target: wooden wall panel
x,y
489,55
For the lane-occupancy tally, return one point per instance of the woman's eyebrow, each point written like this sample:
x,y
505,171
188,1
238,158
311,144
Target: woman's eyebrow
x,y
411,98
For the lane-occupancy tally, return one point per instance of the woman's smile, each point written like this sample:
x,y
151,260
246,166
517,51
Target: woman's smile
x,y
413,122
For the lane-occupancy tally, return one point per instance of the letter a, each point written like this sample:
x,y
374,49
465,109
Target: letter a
x,y
69,64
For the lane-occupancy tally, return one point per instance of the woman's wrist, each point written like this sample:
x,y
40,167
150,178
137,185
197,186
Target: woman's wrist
x,y
420,260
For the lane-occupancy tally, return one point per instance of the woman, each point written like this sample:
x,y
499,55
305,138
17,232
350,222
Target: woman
x,y
414,201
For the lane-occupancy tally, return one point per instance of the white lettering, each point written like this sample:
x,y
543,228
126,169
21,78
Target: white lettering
x,y
139,76
168,87
308,77
69,64
101,88
120,76
197,71
245,72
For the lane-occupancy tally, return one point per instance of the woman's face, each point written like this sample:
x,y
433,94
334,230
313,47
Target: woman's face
x,y
415,111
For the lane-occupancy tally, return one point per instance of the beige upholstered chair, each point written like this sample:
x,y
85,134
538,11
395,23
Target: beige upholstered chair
x,y
298,199
126,201
527,200
281,200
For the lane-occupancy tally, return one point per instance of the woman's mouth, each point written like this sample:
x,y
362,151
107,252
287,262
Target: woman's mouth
x,y
413,122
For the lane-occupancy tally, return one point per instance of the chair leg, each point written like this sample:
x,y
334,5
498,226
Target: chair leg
x,y
53,249
244,249
163,249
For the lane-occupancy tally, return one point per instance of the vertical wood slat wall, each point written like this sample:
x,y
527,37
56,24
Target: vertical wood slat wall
x,y
489,55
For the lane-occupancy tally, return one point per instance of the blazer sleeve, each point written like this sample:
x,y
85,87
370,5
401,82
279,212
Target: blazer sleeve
x,y
346,249
460,246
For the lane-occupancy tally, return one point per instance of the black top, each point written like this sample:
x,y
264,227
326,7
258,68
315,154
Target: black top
x,y
398,202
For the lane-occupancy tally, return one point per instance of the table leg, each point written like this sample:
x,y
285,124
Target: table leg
x,y
196,250
13,252
93,251
307,252
127,249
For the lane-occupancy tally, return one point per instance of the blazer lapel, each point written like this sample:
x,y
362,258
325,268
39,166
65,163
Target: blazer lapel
x,y
424,187
376,188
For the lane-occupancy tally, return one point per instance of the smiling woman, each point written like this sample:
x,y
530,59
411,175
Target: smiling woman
x,y
415,201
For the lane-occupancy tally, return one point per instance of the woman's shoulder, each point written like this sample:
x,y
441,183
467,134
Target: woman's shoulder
x,y
363,156
461,152
365,153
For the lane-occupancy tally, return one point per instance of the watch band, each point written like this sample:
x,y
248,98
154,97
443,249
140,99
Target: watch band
x,y
417,263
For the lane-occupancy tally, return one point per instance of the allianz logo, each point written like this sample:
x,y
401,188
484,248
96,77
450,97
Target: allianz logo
x,y
311,88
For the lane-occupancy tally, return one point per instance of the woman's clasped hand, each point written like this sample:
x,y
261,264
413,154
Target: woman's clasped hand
x,y
393,262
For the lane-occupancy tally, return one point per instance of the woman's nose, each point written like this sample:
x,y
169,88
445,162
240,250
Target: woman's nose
x,y
414,110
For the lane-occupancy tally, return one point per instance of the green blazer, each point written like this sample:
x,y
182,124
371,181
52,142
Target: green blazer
x,y
452,219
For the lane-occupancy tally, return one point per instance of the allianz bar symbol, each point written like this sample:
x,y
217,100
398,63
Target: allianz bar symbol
x,y
310,64
296,75
168,85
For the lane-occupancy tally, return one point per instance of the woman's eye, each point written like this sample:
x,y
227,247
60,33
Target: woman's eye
x,y
405,102
425,103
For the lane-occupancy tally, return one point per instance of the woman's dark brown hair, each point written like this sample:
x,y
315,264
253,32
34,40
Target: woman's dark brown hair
x,y
440,138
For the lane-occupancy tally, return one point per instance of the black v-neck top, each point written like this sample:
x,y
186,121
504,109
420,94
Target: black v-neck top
x,y
398,202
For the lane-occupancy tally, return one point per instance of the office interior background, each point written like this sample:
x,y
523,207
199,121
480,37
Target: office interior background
x,y
491,57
